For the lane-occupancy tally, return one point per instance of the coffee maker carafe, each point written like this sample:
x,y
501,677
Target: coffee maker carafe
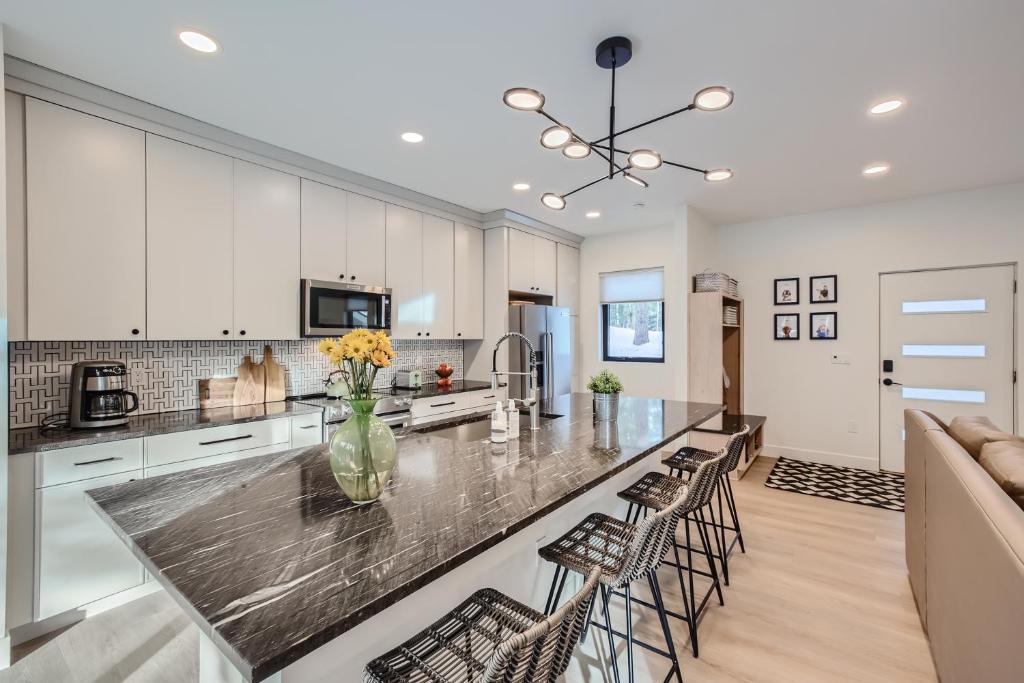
x,y
99,395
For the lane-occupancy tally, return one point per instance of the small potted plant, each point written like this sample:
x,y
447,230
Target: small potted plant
x,y
606,388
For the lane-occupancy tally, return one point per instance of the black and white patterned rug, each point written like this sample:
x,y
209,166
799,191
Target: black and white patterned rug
x,y
877,489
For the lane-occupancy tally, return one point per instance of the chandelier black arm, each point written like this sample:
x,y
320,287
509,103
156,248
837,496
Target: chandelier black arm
x,y
670,163
555,121
645,123
592,182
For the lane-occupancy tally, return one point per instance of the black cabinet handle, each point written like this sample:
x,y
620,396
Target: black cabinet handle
x,y
458,334
428,334
352,278
135,330
342,276
241,332
225,332
439,405
419,334
491,396
309,426
93,462
232,438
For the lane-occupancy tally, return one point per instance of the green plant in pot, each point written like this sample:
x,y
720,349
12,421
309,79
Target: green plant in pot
x,y
606,388
363,448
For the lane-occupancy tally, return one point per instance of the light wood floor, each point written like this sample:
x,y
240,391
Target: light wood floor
x,y
821,595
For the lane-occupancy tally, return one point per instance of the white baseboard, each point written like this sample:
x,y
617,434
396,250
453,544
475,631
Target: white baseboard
x,y
824,457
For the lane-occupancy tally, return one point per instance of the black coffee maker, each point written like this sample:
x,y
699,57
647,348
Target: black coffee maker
x,y
99,395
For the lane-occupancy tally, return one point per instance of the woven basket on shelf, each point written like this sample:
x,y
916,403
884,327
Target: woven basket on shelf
x,y
715,282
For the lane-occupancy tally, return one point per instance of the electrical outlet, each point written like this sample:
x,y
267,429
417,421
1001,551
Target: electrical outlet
x,y
840,359
851,427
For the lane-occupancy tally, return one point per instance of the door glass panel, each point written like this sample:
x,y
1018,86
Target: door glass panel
x,y
953,395
944,350
949,306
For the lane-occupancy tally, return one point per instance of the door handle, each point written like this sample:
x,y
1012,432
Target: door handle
x,y
888,382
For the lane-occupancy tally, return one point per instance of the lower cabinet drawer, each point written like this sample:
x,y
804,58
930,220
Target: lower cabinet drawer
x,y
87,462
79,558
428,407
196,463
307,430
179,446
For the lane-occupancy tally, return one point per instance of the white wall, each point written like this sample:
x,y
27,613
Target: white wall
x,y
809,401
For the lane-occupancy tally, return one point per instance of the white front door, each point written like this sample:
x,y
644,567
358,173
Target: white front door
x,y
948,335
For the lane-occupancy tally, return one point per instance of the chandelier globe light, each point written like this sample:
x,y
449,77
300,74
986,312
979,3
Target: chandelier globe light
x,y
611,54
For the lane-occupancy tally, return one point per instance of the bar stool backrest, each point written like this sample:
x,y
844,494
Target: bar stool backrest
x,y
655,533
542,652
733,449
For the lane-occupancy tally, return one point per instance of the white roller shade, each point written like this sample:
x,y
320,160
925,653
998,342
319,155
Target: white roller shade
x,y
633,285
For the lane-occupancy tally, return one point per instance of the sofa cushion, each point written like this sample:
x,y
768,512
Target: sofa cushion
x,y
1004,462
974,432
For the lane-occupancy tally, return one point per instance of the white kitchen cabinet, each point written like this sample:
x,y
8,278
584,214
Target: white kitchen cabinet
x,y
307,430
532,263
86,210
17,289
366,241
189,241
80,558
568,295
438,288
469,282
405,271
324,232
266,253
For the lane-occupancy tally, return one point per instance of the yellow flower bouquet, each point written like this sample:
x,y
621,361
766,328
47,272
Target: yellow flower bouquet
x,y
359,355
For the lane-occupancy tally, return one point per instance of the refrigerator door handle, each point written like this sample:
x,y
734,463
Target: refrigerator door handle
x,y
549,365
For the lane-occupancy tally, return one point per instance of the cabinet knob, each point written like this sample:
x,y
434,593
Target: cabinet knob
x,y
342,276
241,332
428,334
352,278
458,334
419,334
225,332
135,330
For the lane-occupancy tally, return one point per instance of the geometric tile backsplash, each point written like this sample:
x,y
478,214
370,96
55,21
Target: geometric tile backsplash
x,y
165,373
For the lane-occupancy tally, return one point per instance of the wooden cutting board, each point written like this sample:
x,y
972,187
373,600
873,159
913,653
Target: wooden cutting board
x,y
274,376
217,392
249,388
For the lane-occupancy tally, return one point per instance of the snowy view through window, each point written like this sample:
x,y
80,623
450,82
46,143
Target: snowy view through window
x,y
634,331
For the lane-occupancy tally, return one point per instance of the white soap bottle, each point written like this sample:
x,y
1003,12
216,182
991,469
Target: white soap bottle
x,y
513,420
499,425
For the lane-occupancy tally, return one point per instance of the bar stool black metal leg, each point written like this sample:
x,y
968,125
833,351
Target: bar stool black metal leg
x,y
689,572
629,636
718,526
608,629
552,601
702,529
690,625
586,624
659,603
732,511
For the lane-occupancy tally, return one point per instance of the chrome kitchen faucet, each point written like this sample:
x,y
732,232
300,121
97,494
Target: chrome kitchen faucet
x,y
533,402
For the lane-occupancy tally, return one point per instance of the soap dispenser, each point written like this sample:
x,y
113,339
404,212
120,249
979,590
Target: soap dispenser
x,y
513,419
499,425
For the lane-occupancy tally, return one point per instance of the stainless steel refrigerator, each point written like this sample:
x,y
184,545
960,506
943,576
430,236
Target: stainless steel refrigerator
x,y
548,329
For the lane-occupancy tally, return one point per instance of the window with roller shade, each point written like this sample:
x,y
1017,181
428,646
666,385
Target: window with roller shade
x,y
633,316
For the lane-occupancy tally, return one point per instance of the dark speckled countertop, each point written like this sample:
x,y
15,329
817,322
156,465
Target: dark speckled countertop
x,y
272,561
31,440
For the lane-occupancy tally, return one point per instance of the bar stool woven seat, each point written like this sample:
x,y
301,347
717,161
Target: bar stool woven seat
x,y
489,638
654,490
688,459
598,540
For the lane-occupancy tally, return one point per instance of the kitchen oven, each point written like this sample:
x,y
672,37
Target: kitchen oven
x,y
336,308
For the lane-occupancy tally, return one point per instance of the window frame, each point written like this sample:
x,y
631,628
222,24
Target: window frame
x,y
626,359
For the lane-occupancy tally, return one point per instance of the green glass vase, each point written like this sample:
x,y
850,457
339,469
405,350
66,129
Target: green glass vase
x,y
363,453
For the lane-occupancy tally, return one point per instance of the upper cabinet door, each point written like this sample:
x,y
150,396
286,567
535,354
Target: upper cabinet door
x,y
324,232
405,272
520,261
568,293
366,253
188,241
266,251
469,282
86,208
544,266
438,295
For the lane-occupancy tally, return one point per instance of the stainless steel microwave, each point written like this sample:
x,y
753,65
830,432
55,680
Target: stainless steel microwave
x,y
336,308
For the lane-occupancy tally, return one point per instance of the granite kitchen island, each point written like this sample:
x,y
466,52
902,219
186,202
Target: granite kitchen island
x,y
288,580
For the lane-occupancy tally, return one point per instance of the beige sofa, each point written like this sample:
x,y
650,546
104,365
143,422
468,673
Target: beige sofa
x,y
965,550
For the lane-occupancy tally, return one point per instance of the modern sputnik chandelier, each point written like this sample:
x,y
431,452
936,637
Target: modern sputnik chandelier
x,y
613,53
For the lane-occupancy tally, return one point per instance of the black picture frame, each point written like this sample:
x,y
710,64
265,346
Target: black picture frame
x,y
812,327
796,288
776,329
831,290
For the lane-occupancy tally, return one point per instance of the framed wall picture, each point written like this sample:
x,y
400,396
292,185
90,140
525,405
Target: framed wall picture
x,y
824,289
787,291
787,326
824,325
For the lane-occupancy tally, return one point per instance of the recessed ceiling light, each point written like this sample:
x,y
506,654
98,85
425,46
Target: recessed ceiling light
x,y
553,201
646,159
593,214
880,168
523,99
636,181
718,175
712,99
887,106
577,149
555,137
198,42
412,136
521,187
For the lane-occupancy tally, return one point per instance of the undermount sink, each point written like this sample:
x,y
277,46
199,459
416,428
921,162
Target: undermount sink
x,y
476,427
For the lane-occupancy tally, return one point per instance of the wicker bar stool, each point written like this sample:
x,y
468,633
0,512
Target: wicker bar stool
x,y
490,638
626,553
658,491
686,459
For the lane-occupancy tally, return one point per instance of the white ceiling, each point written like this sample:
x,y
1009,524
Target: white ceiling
x,y
339,81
